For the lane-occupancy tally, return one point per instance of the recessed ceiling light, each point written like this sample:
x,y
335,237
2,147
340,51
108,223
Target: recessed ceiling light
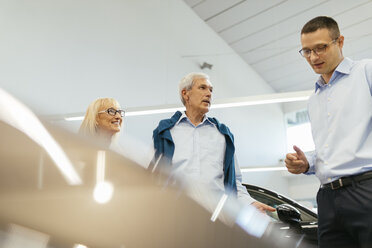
x,y
217,104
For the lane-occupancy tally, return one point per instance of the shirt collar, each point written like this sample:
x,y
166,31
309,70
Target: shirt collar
x,y
185,118
343,68
182,118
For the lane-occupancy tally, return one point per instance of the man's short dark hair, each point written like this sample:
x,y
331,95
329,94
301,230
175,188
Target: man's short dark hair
x,y
322,22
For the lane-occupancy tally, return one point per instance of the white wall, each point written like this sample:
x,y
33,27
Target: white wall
x,y
303,187
300,187
273,180
58,56
289,107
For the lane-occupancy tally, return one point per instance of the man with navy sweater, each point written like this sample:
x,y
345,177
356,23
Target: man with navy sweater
x,y
198,147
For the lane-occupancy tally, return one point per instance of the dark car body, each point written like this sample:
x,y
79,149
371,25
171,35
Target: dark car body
x,y
294,220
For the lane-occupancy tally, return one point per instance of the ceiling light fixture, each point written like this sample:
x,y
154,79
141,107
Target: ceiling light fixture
x,y
217,104
262,169
74,118
206,65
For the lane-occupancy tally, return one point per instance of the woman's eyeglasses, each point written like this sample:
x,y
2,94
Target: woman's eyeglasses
x,y
112,111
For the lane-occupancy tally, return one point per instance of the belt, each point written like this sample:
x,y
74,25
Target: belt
x,y
346,181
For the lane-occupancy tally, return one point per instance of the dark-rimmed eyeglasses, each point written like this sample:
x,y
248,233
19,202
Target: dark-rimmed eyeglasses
x,y
318,50
112,111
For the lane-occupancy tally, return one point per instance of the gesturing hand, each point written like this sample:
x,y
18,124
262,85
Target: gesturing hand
x,y
296,162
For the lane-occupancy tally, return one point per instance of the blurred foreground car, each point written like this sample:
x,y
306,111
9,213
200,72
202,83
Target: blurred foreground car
x,y
41,208
59,190
291,218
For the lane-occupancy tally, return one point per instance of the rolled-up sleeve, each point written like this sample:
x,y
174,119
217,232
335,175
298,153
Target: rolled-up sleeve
x,y
242,193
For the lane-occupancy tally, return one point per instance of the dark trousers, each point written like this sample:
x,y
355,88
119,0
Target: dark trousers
x,y
345,216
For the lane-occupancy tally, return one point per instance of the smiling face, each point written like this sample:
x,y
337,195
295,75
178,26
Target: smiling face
x,y
198,98
108,124
325,63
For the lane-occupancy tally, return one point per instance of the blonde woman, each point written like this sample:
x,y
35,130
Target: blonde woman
x,y
103,120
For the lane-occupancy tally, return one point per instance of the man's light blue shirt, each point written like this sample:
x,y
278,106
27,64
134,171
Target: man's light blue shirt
x,y
199,156
340,113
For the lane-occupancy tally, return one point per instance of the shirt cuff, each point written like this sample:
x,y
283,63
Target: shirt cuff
x,y
310,156
245,198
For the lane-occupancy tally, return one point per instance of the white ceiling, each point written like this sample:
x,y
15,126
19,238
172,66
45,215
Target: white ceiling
x,y
266,33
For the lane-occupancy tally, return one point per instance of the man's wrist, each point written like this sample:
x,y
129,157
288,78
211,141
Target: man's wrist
x,y
307,167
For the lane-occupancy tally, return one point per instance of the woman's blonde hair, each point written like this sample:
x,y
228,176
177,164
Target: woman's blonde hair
x,y
89,125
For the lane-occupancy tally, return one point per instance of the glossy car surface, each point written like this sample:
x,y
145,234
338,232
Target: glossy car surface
x,y
294,220
58,189
41,203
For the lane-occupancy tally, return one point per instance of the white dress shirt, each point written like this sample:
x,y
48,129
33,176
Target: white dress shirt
x,y
199,156
340,113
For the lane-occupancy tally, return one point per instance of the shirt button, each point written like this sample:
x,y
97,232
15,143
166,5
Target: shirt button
x,y
326,145
329,114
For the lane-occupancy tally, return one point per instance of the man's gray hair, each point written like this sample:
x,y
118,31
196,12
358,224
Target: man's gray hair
x,y
188,81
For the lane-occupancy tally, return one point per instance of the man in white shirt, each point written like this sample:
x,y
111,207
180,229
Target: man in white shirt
x,y
340,112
